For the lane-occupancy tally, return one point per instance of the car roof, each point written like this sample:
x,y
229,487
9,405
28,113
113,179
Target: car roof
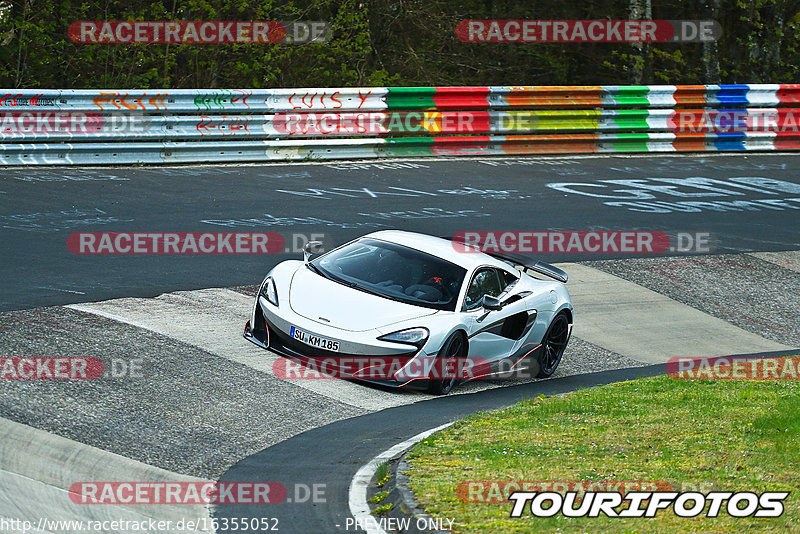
x,y
439,247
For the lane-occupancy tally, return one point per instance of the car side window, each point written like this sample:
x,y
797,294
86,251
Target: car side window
x,y
485,282
506,279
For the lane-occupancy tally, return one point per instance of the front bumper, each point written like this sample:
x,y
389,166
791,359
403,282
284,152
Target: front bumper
x,y
266,332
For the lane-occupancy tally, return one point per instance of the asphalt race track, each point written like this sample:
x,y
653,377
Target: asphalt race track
x,y
39,208
205,404
332,454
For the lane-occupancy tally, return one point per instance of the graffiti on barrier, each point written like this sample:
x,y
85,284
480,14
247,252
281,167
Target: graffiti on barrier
x,y
11,100
225,125
325,100
115,100
223,98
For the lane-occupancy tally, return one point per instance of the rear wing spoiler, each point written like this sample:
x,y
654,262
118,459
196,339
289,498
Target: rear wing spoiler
x,y
539,267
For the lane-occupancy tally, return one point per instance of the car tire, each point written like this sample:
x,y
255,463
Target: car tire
x,y
454,347
554,343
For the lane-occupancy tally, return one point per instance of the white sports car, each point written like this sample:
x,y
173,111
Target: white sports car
x,y
407,309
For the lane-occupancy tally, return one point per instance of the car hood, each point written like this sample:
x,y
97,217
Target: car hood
x,y
314,296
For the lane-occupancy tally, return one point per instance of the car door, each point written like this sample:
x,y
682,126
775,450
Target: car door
x,y
493,335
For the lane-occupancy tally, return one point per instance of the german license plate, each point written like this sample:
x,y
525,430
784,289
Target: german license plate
x,y
314,340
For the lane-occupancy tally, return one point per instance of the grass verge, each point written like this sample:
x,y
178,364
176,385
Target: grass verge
x,y
701,435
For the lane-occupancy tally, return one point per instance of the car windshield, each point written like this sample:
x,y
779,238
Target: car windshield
x,y
394,272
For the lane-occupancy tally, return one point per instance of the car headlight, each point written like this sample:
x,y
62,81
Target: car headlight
x,y
269,291
412,336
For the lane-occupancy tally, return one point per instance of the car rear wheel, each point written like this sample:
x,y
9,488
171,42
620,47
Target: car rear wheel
x,y
553,346
453,349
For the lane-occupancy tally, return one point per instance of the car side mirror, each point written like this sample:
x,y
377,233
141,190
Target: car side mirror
x,y
491,303
311,248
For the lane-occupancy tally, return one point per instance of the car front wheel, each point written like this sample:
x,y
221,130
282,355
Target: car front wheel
x,y
454,348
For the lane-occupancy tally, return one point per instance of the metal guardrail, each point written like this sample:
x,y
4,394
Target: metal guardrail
x,y
80,127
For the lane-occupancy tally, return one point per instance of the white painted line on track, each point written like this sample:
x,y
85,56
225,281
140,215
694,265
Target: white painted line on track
x,y
49,288
611,312
357,494
790,259
639,323
212,320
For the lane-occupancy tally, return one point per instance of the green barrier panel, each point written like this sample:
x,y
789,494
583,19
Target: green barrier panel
x,y
411,98
632,119
633,142
408,146
633,95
